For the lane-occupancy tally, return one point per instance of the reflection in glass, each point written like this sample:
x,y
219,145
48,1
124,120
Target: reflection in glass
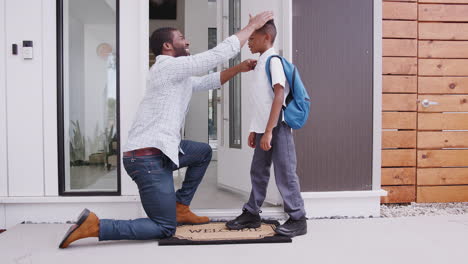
x,y
212,97
235,126
90,95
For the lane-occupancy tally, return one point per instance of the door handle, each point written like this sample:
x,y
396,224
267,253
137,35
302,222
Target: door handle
x,y
427,103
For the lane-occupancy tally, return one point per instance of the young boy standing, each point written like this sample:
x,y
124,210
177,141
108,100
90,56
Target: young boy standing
x,y
273,141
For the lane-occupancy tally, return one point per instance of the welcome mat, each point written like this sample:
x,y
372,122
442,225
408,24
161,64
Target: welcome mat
x,y
216,233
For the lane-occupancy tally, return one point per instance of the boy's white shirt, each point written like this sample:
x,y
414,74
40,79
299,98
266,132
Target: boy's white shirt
x,y
261,94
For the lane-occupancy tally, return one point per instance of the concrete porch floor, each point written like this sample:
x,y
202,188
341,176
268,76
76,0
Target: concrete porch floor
x,y
435,239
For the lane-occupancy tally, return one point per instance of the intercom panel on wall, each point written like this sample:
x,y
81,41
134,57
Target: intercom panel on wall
x,y
27,49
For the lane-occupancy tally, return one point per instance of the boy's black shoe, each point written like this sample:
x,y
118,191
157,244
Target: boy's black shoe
x,y
245,220
292,228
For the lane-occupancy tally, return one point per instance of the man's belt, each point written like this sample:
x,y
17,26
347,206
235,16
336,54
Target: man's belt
x,y
142,152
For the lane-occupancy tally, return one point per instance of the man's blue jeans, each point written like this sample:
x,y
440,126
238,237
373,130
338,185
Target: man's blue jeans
x,y
153,175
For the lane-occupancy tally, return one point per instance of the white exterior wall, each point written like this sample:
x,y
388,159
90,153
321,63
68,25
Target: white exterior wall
x,y
3,108
28,113
28,92
24,94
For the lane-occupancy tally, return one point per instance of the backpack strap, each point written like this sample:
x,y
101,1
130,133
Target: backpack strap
x,y
290,96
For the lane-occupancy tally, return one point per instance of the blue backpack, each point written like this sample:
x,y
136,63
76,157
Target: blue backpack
x,y
297,107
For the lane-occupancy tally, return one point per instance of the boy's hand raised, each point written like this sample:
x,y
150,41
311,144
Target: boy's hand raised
x,y
247,65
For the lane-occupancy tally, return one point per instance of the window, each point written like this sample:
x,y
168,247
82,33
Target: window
x,y
235,110
88,97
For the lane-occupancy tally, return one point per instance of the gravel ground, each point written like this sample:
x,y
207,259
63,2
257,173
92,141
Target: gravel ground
x,y
423,209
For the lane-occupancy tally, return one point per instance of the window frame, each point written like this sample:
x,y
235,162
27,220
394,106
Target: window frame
x,y
60,108
235,84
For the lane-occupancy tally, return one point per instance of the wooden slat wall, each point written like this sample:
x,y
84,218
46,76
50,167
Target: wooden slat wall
x,y
425,56
399,100
442,145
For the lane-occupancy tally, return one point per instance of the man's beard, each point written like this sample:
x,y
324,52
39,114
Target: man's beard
x,y
181,51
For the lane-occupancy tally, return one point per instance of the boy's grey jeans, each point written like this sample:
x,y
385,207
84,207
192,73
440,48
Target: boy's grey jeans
x,y
283,156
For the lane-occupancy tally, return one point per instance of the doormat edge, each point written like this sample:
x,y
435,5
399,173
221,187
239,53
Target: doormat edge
x,y
174,241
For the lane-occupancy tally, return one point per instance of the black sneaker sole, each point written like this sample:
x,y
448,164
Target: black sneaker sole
x,y
292,234
239,227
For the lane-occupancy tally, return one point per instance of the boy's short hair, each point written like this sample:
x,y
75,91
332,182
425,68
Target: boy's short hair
x,y
270,29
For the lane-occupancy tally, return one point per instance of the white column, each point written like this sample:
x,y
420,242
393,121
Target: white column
x,y
377,140
25,100
3,101
49,73
134,58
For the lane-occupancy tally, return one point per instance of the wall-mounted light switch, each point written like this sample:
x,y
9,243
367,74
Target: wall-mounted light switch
x,y
27,49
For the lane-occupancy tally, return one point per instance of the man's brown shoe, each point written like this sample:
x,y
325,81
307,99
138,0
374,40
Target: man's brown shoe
x,y
87,225
185,216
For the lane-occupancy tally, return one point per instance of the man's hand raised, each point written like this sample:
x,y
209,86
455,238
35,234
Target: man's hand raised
x,y
260,20
255,23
